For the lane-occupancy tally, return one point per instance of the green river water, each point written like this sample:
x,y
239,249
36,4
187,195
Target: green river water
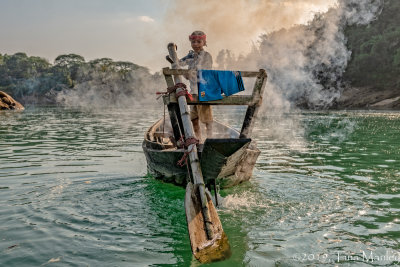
x,y
74,192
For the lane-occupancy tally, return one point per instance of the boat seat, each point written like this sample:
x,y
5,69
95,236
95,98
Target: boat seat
x,y
163,138
161,134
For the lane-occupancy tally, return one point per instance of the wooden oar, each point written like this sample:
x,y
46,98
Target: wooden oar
x,y
207,238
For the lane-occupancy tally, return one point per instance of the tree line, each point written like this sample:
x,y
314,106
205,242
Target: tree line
x,y
375,63
25,76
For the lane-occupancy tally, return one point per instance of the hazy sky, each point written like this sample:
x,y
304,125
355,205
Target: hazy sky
x,y
139,30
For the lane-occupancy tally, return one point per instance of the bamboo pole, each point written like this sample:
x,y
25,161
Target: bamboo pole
x,y
193,156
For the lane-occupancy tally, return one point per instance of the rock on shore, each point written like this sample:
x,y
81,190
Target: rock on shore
x,y
7,102
369,98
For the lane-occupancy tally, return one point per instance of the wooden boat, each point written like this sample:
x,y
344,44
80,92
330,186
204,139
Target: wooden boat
x,y
226,159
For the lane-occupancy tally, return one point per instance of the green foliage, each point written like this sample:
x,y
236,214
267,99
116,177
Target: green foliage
x,y
102,64
23,76
376,50
396,59
124,67
69,60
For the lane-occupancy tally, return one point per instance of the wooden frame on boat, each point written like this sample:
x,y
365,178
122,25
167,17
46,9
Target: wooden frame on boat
x,y
224,159
253,101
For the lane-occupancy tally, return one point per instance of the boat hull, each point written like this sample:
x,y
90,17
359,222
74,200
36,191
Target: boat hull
x,y
231,170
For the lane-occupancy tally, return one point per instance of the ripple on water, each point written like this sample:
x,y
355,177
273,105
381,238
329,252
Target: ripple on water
x,y
73,191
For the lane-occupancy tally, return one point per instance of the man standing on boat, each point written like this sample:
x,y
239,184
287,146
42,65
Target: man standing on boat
x,y
198,59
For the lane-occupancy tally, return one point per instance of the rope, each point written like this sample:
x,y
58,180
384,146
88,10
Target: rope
x,y
189,141
185,92
163,127
172,89
180,143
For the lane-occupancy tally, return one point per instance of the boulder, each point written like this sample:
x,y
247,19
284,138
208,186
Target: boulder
x,y
7,102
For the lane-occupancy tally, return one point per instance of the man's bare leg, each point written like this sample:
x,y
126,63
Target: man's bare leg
x,y
196,128
209,129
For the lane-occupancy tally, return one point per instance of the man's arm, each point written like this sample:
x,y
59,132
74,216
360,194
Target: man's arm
x,y
185,60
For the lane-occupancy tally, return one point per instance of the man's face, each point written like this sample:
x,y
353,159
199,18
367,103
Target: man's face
x,y
197,44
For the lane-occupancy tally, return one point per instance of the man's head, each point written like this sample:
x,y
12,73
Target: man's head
x,y
198,40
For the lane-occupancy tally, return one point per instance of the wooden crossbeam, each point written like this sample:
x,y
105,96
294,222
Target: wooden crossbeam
x,y
253,101
168,71
245,100
231,100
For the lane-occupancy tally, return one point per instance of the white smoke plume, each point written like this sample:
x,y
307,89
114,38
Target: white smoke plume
x,y
98,89
234,25
304,60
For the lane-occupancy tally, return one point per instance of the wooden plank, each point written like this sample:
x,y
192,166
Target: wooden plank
x,y
204,250
216,153
176,71
168,78
243,169
250,74
232,162
231,100
252,110
168,71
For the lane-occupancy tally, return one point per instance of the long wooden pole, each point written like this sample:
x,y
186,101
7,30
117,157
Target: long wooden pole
x,y
193,156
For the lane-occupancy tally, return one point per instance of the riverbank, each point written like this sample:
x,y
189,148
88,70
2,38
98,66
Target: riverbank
x,y
352,98
369,98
